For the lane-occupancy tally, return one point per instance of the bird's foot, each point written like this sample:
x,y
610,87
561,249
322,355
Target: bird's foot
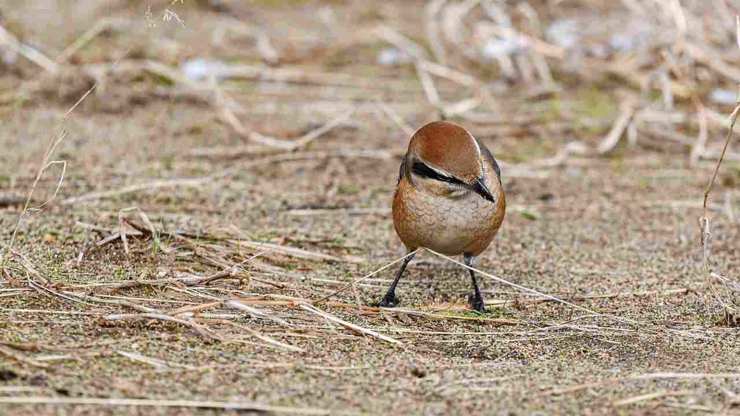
x,y
476,302
389,301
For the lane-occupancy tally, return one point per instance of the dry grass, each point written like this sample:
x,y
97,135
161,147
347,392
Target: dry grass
x,y
216,242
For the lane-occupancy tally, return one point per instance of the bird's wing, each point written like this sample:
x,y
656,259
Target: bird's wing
x,y
401,170
488,157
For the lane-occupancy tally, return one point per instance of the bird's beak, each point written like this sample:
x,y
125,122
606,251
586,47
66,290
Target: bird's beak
x,y
481,189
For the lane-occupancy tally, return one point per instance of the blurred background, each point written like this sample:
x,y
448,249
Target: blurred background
x,y
550,72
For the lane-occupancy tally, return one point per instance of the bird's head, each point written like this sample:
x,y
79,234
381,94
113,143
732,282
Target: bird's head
x,y
443,158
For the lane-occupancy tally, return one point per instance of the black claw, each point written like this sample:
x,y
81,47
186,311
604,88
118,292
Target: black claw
x,y
389,301
476,302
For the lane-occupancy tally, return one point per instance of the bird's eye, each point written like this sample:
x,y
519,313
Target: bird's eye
x,y
422,169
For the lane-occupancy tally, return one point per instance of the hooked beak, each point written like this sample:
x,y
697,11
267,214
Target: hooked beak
x,y
481,189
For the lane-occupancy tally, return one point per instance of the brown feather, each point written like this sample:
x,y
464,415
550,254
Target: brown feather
x,y
424,216
447,146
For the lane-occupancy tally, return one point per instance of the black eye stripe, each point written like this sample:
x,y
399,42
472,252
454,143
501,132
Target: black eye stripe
x,y
422,169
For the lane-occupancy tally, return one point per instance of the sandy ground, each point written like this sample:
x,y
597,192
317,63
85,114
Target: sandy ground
x,y
83,320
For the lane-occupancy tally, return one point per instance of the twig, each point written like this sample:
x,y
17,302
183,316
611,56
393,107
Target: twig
x,y
202,331
699,147
453,75
171,183
703,53
397,119
670,375
431,27
427,84
303,140
334,211
297,252
704,220
402,42
612,138
154,362
122,232
263,337
148,229
649,396
119,302
20,358
298,156
648,376
90,34
349,325
45,164
50,292
25,262
367,276
27,51
196,404
257,313
679,291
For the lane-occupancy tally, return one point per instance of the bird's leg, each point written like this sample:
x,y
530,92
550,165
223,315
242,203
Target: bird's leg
x,y
389,300
475,299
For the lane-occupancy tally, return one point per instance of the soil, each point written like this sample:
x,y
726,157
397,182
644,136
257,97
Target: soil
x,y
615,235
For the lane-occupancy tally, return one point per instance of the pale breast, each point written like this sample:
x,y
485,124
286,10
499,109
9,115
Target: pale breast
x,y
465,223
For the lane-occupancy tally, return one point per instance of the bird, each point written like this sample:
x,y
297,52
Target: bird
x,y
449,198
